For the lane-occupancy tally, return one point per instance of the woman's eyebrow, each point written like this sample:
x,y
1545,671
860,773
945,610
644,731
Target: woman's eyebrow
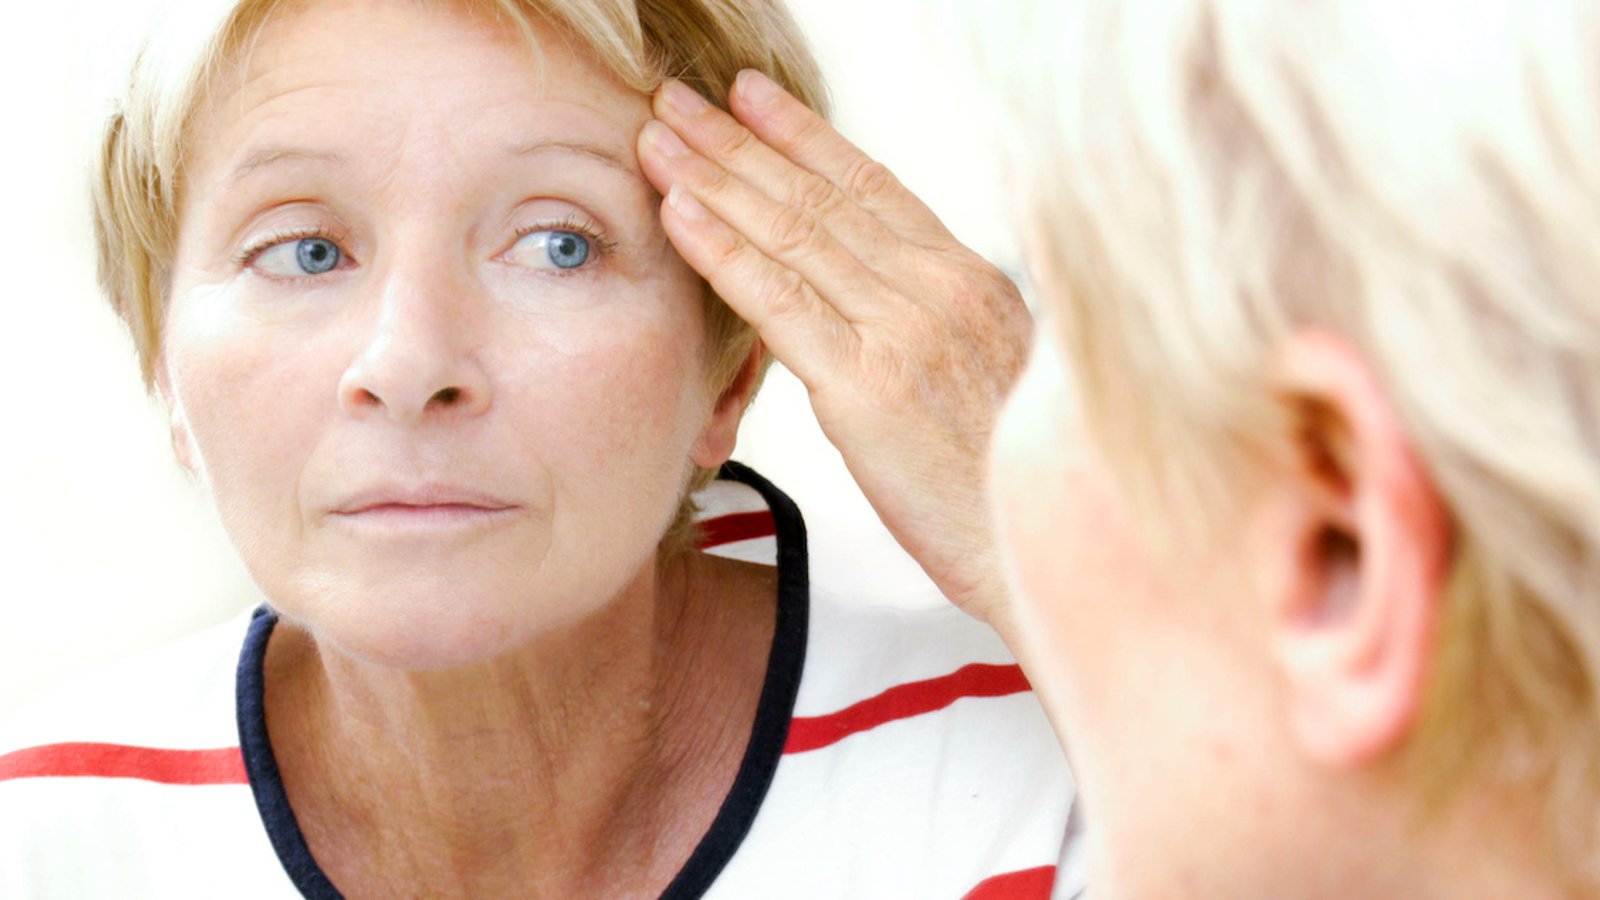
x,y
273,154
600,152
266,156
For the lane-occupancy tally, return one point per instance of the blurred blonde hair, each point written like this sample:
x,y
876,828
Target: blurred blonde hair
x,y
1422,177
139,170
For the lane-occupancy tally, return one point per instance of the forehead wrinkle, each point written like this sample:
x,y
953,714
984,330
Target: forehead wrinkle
x,y
264,157
563,108
595,151
231,111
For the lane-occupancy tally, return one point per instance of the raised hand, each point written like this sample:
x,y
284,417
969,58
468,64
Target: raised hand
x,y
906,339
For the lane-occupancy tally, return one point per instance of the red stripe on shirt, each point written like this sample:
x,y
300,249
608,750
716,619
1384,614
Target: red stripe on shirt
x,y
736,527
1028,884
904,701
224,765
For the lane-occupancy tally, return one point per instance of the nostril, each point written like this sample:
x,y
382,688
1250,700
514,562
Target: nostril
x,y
448,396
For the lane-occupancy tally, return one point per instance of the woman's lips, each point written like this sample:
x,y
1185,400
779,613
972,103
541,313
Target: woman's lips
x,y
426,506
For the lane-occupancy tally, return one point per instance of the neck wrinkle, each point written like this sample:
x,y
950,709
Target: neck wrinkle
x,y
556,752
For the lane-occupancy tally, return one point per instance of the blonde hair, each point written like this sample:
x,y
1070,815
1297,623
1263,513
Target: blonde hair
x,y
1422,177
139,171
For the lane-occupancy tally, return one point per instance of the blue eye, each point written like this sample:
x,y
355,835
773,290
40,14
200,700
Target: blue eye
x,y
566,249
304,256
316,255
550,248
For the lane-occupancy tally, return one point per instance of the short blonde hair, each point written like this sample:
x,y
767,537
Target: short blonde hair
x,y
1421,177
139,171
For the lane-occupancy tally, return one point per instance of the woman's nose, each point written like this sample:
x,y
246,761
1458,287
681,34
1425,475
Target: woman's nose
x,y
420,359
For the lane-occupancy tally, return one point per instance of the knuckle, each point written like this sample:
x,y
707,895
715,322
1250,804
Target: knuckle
x,y
734,255
734,142
868,178
715,179
792,230
787,295
815,193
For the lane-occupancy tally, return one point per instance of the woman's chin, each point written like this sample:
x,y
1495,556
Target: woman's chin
x,y
420,626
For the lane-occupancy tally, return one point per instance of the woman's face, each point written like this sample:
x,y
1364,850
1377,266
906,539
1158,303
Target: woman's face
x,y
427,344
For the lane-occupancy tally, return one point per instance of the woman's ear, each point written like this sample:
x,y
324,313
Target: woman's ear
x,y
182,441
1360,557
717,439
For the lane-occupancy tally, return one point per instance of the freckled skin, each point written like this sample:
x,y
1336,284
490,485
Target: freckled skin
x,y
585,388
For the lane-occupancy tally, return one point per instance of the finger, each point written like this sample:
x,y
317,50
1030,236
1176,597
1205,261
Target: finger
x,y
717,136
805,334
798,133
722,138
791,236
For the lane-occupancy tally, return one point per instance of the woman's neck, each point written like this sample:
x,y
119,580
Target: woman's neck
x,y
591,759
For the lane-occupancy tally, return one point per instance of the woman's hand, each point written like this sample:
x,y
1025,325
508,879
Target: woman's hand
x,y
906,339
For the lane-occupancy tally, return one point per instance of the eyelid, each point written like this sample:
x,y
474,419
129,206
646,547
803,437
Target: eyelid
x,y
585,226
254,249
597,235
600,245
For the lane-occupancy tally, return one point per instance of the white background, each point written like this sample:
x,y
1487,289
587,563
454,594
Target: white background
x,y
106,546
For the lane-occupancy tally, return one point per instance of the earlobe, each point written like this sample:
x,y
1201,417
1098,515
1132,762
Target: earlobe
x,y
716,442
1362,555
177,421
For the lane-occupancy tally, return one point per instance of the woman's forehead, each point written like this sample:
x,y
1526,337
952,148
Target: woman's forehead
x,y
344,77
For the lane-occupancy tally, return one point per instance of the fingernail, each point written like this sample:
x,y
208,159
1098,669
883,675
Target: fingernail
x,y
683,98
665,139
756,87
685,204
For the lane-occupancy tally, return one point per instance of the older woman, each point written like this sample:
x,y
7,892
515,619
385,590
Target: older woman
x,y
400,279
1302,484
1301,487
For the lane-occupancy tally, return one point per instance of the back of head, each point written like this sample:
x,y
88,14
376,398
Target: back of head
x,y
1207,177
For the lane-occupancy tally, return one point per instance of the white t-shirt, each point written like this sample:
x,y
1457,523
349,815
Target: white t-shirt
x,y
894,754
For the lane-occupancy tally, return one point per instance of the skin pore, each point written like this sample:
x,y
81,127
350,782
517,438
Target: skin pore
x,y
434,359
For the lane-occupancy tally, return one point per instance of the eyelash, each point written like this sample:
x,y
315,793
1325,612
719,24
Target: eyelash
x,y
587,227
256,248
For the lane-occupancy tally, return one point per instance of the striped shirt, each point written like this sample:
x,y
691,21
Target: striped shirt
x,y
894,754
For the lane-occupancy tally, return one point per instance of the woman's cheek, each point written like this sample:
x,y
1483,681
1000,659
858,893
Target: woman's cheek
x,y
611,390
625,354
252,397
